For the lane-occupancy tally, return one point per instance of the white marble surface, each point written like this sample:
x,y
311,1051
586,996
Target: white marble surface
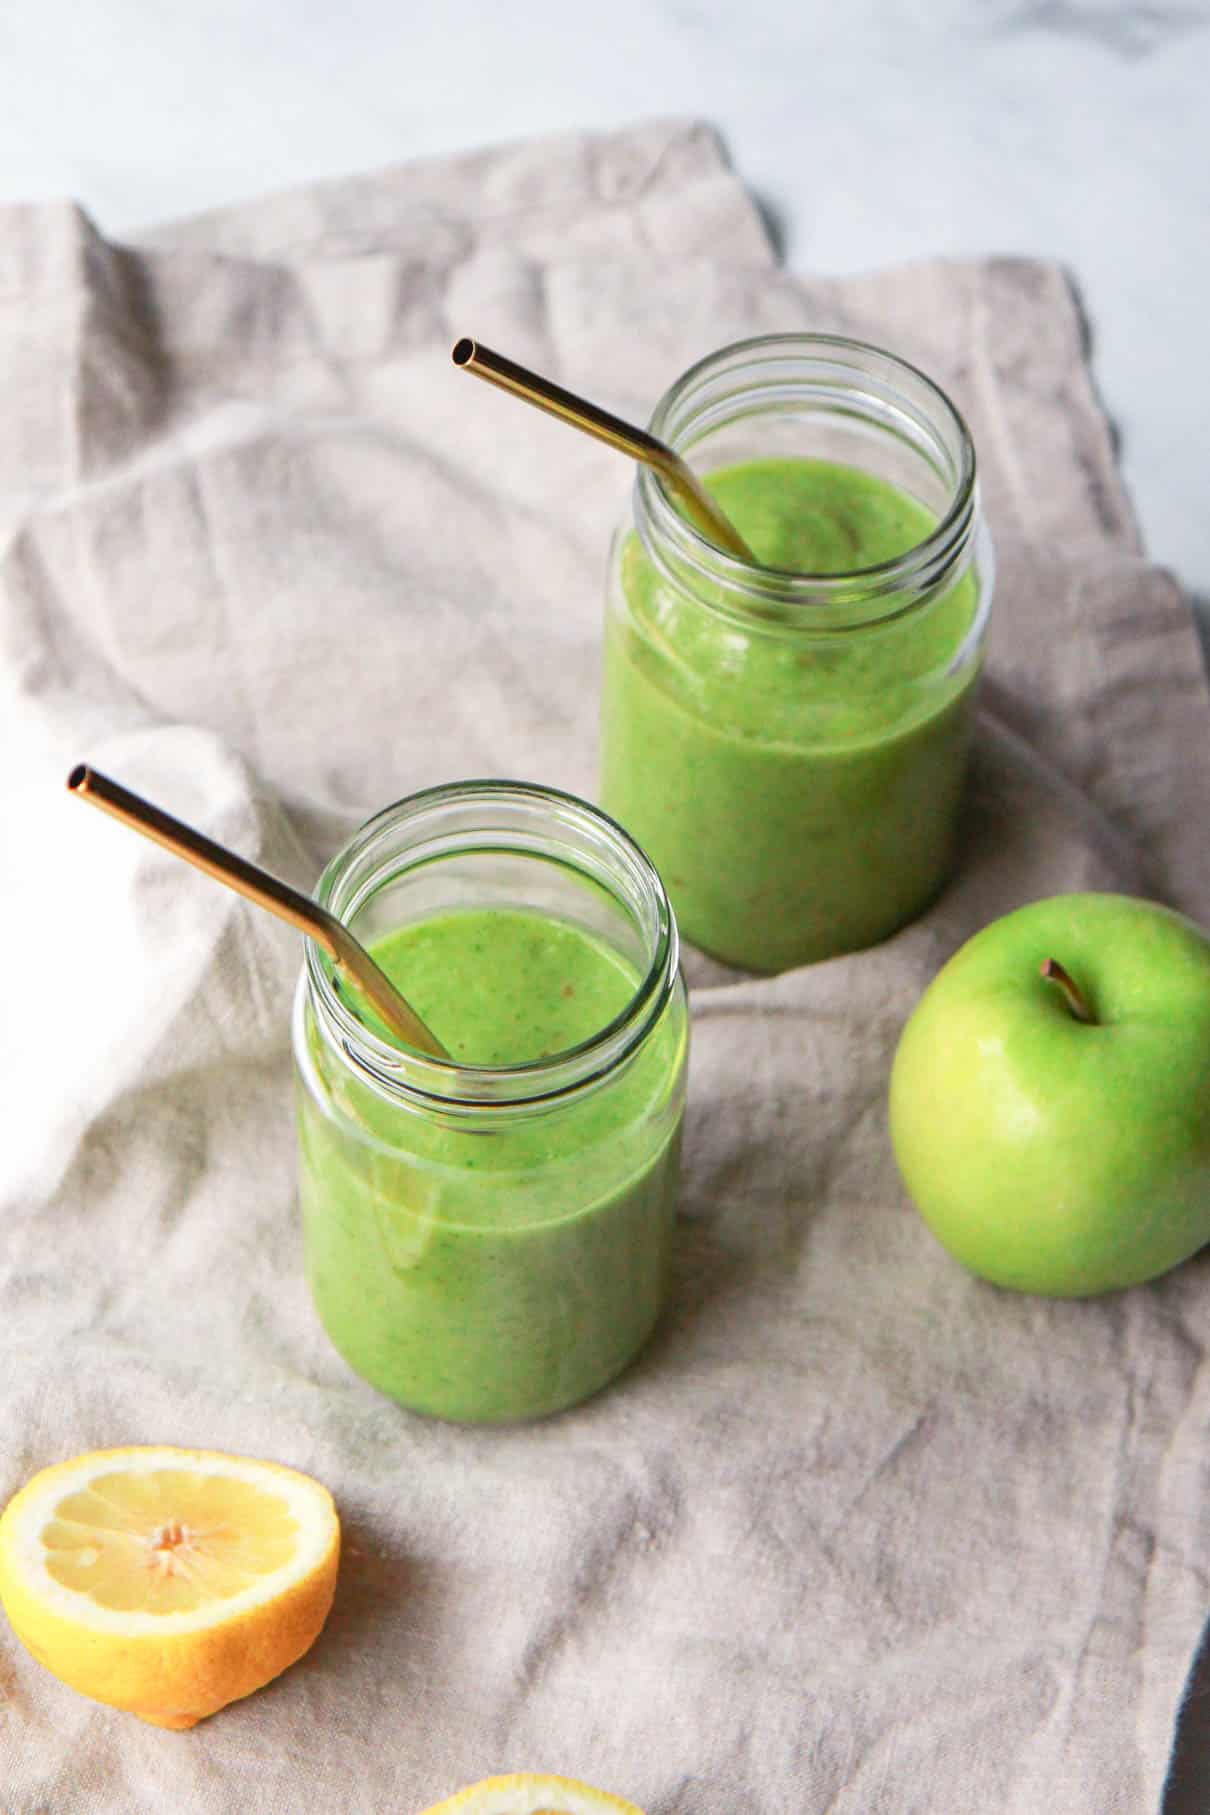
x,y
875,130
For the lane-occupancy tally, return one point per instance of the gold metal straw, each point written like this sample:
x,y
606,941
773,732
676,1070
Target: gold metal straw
x,y
474,357
350,958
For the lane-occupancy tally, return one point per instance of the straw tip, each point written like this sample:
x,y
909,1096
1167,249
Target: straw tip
x,y
463,351
78,777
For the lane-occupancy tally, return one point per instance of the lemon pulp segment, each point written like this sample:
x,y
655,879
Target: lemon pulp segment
x,y
166,1541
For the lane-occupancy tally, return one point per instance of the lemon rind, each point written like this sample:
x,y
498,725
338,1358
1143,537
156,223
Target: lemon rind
x,y
531,1793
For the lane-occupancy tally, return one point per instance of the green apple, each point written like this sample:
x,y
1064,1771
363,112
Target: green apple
x,y
1050,1096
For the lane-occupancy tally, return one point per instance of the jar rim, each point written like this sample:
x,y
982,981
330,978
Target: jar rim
x,y
918,571
422,1079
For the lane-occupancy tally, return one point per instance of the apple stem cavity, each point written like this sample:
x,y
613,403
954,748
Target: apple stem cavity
x,y
1076,1001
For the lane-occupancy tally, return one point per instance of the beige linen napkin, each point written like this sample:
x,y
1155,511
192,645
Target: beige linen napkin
x,y
858,1533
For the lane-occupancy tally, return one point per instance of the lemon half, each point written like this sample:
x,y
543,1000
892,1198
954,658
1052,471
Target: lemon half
x,y
168,1582
531,1793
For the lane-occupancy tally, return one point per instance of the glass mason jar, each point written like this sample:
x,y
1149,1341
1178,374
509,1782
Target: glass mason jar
x,y
491,1243
789,747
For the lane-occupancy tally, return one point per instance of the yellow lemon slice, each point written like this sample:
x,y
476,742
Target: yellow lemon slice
x,y
531,1793
168,1581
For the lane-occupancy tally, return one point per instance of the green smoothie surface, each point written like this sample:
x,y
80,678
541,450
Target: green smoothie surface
x,y
799,678
505,986
817,517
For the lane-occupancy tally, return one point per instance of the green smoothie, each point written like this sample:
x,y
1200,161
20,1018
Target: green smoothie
x,y
506,1262
797,790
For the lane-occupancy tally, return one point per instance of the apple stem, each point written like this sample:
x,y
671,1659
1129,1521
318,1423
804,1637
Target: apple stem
x,y
1053,972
